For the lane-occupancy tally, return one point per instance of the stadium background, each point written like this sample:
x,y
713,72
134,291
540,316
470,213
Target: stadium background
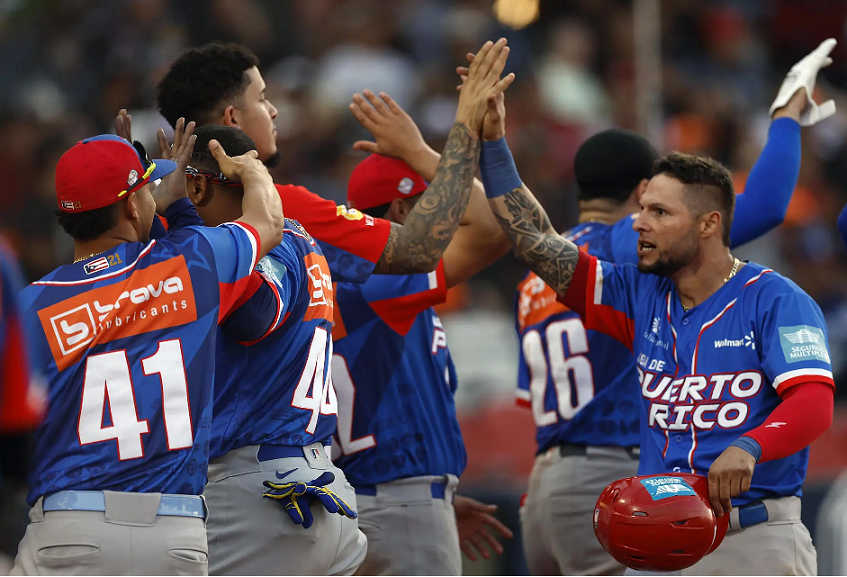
x,y
694,76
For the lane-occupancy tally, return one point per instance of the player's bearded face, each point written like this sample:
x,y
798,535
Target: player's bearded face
x,y
667,239
254,114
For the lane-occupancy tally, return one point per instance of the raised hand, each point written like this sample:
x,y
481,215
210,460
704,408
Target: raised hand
x,y
172,187
803,75
395,132
123,125
483,82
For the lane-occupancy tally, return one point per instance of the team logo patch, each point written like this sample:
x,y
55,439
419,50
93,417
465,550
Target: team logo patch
x,y
132,178
596,517
96,265
664,487
803,343
348,213
405,186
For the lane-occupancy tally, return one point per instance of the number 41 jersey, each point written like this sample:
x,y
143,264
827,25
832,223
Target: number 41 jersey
x,y
581,385
127,343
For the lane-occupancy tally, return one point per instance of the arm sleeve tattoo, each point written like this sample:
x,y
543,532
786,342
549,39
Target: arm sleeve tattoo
x,y
536,242
418,245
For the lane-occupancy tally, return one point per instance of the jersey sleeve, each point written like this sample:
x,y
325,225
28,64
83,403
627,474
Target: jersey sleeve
x,y
351,241
625,241
398,300
235,248
793,339
265,304
603,294
20,404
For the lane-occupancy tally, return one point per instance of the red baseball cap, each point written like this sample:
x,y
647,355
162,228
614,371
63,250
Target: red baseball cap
x,y
99,171
378,180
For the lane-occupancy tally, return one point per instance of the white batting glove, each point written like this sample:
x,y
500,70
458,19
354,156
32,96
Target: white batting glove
x,y
803,75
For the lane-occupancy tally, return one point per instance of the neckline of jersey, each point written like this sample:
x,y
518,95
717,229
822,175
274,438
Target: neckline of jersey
x,y
743,275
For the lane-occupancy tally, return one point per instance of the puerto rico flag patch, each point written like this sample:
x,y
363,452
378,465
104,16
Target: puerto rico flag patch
x,y
96,265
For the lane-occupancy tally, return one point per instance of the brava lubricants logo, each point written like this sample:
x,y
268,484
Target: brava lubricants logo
x,y
321,301
152,298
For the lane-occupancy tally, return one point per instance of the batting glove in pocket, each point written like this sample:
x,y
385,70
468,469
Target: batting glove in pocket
x,y
298,497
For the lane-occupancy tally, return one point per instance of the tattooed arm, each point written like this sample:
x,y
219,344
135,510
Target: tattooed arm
x,y
418,245
536,242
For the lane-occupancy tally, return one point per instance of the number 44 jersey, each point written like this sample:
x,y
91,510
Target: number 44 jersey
x,y
126,340
581,385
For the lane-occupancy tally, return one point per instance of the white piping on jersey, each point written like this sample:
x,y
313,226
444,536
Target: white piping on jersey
x,y
703,328
580,234
523,395
801,373
118,272
433,279
693,446
598,284
758,276
673,331
273,326
254,242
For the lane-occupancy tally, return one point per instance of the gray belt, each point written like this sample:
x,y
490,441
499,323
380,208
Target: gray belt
x,y
169,505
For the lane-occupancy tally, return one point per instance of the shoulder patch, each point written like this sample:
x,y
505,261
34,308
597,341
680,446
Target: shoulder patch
x,y
803,343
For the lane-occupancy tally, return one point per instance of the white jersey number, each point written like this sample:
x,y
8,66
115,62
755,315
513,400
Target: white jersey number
x,y
346,401
314,392
108,380
572,377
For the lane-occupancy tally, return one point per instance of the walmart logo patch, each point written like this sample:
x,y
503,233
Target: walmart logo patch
x,y
803,343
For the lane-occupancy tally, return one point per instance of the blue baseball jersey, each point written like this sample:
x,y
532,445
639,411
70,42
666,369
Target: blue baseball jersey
x,y
127,340
713,373
276,387
395,381
580,384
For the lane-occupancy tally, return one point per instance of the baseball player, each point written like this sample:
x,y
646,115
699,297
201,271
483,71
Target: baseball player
x,y
732,357
579,384
127,336
274,404
399,440
221,84
21,401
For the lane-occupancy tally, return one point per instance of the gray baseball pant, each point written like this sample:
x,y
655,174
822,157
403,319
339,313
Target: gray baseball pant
x,y
411,527
128,538
557,516
780,546
251,535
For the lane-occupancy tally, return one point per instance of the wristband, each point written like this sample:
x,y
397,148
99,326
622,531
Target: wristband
x,y
750,445
497,169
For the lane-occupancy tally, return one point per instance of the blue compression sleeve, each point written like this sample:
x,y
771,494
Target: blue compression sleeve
x,y
750,445
182,214
770,184
497,169
842,225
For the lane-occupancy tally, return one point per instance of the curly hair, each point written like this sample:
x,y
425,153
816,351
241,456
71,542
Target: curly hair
x,y
204,80
708,184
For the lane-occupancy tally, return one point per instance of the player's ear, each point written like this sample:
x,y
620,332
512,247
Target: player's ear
x,y
639,190
131,206
398,211
199,190
711,224
230,116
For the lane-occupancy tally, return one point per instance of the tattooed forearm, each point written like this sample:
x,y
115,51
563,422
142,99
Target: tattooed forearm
x,y
418,245
536,242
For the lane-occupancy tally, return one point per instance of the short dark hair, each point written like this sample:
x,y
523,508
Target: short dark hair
x,y
203,79
709,184
233,141
89,224
610,164
377,211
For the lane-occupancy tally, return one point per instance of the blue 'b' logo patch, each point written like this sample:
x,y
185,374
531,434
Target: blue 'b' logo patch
x,y
664,487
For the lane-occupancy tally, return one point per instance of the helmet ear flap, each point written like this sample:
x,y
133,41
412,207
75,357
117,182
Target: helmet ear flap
x,y
658,522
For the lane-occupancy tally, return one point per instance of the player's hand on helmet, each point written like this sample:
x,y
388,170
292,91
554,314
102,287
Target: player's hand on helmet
x,y
395,132
298,497
173,186
483,82
475,522
729,476
802,77
238,168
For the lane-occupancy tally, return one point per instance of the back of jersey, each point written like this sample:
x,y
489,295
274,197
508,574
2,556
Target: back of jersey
x,y
127,341
278,389
581,385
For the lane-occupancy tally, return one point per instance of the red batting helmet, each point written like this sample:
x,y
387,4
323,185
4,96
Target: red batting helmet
x,y
658,522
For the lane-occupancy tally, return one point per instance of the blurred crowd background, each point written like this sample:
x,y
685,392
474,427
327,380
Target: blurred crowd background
x,y
68,66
